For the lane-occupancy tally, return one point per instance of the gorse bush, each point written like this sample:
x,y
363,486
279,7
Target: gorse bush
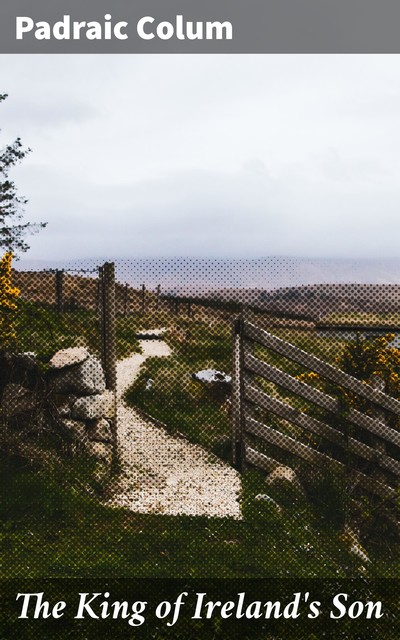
x,y
8,303
364,359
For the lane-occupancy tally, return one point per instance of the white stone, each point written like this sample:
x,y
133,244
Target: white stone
x,y
263,497
85,378
93,407
286,479
69,357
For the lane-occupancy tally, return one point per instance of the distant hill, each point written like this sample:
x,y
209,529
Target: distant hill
x,y
202,275
318,301
297,287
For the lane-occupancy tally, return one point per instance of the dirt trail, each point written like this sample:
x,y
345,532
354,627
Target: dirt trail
x,y
162,473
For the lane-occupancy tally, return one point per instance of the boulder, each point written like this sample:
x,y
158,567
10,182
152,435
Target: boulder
x,y
100,431
212,377
69,357
84,378
263,497
94,407
64,404
17,400
286,480
154,334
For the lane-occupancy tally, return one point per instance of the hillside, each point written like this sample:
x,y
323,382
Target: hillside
x,y
201,275
312,302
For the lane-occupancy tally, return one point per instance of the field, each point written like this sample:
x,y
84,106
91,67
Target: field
x,y
56,523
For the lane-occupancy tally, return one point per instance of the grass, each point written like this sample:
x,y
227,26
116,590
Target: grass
x,y
191,408
50,528
56,539
184,405
42,331
179,401
363,319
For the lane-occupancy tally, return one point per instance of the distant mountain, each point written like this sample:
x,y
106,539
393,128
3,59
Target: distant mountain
x,y
201,275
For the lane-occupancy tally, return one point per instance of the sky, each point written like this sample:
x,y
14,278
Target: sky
x,y
239,156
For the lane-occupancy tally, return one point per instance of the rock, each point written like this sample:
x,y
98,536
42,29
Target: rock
x,y
27,360
351,538
226,407
264,498
94,407
286,479
85,378
212,376
100,450
100,431
154,334
17,400
76,428
69,357
64,404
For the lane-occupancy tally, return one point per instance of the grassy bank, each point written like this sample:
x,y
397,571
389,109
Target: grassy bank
x,y
41,330
49,527
185,405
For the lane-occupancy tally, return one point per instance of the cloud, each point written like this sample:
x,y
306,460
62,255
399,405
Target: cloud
x,y
208,155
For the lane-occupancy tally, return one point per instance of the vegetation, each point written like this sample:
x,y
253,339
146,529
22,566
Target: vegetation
x,y
41,330
51,528
179,401
365,359
71,534
12,230
8,303
184,405
53,525
364,319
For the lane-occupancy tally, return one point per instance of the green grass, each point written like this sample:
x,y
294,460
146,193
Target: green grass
x,y
191,408
360,318
179,401
49,528
41,330
75,535
56,539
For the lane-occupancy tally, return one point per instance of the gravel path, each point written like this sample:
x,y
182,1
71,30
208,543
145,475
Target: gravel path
x,y
162,473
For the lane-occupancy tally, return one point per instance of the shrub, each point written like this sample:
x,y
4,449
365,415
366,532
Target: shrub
x,y
8,303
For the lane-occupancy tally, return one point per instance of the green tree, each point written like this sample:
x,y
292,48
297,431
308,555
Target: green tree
x,y
12,228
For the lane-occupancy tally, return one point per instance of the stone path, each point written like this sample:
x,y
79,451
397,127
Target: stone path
x,y
163,473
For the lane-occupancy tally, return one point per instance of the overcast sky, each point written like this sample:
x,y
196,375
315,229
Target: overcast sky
x,y
223,156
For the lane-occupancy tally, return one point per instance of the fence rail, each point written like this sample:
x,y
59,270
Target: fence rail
x,y
353,450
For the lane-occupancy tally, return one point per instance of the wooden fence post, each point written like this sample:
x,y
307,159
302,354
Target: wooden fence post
x,y
126,299
59,291
379,384
110,359
237,395
143,298
158,290
108,338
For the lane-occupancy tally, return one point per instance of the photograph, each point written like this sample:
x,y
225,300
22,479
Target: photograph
x,y
200,346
